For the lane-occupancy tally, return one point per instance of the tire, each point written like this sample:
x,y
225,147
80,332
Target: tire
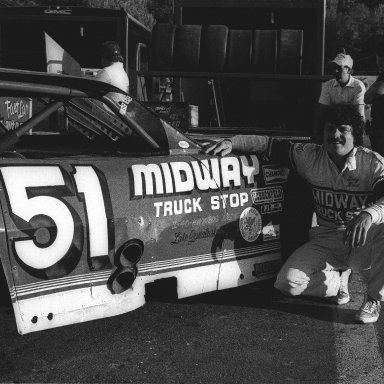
x,y
239,50
213,49
290,51
163,36
264,51
187,47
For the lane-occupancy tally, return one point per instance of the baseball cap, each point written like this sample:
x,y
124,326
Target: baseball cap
x,y
343,60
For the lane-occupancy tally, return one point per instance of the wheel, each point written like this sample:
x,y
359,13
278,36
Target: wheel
x,y
163,36
290,51
264,51
187,47
213,49
239,50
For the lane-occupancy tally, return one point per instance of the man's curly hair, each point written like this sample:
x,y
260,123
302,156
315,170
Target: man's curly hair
x,y
345,114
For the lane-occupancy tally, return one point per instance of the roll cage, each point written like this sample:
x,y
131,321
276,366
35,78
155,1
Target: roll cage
x,y
97,111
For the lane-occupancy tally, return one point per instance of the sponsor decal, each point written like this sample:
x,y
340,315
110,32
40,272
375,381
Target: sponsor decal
x,y
183,144
267,195
124,104
267,268
191,205
274,175
353,181
250,224
232,200
339,206
271,208
271,232
181,177
178,207
15,111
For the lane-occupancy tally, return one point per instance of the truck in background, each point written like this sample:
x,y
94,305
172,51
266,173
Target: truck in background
x,y
78,30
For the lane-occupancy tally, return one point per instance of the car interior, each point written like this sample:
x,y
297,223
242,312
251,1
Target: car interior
x,y
83,126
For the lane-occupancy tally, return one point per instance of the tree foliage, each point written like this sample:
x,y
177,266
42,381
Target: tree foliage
x,y
355,26
351,24
137,8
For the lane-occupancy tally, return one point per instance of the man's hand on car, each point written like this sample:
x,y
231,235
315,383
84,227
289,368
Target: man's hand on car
x,y
357,230
221,148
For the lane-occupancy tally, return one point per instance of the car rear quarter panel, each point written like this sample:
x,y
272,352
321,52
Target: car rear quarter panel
x,y
212,223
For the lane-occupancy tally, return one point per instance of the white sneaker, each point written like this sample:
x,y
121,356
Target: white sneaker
x,y
343,294
369,312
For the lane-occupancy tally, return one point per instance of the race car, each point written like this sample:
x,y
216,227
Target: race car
x,y
100,198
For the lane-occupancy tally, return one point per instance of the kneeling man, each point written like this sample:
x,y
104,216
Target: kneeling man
x,y
347,183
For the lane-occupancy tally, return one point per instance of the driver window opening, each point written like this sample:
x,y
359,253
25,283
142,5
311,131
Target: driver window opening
x,y
79,127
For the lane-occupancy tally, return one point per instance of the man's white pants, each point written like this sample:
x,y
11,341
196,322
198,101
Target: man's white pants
x,y
314,268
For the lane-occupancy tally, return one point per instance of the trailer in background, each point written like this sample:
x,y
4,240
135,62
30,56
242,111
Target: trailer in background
x,y
245,63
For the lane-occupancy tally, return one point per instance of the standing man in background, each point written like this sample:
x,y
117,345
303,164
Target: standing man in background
x,y
342,89
375,96
113,70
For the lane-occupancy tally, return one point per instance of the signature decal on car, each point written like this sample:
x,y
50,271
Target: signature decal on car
x,y
193,235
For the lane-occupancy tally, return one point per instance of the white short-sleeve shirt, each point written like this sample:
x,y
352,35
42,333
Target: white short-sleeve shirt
x,y
115,75
351,93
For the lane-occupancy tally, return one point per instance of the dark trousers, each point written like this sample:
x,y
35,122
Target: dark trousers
x,y
297,214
